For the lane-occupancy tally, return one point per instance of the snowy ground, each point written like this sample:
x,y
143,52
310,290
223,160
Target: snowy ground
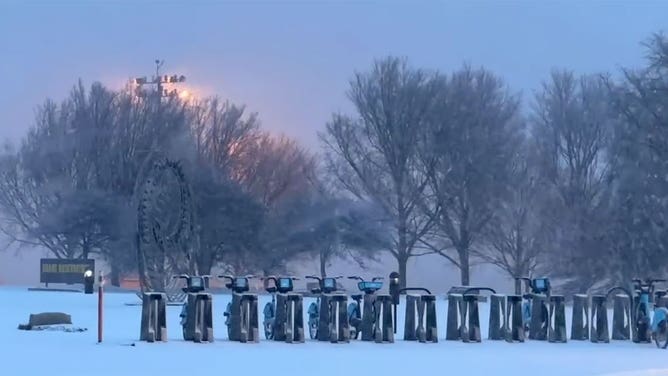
x,y
59,353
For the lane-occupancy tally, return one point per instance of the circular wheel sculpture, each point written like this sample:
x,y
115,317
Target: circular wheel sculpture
x,y
165,226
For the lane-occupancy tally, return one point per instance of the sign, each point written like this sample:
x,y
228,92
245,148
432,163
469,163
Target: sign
x,y
69,271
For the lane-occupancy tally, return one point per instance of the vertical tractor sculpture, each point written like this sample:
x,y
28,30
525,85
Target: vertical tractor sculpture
x,y
165,226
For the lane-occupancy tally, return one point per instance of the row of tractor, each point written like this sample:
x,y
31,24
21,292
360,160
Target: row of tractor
x,y
533,312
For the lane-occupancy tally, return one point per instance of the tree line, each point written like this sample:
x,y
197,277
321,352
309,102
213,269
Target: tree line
x,y
574,186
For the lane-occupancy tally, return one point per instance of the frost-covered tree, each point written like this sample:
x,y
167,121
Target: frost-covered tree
x,y
639,194
516,236
344,228
373,153
572,123
467,156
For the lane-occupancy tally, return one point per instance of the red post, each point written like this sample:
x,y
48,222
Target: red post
x,y
100,298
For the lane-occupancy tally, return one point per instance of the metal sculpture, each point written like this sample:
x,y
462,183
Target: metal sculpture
x,y
165,229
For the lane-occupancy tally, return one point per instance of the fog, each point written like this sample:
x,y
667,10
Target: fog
x,y
432,272
20,268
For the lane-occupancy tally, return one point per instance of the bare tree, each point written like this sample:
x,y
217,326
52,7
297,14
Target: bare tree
x,y
49,188
343,228
69,187
639,165
373,154
224,133
228,218
274,171
516,235
466,156
572,124
273,168
21,204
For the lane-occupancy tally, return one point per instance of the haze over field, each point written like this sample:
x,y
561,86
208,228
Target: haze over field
x,y
291,61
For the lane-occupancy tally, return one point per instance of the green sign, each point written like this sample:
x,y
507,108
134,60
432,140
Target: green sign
x,y
69,271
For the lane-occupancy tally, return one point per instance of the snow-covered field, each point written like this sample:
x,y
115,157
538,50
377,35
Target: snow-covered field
x,y
60,353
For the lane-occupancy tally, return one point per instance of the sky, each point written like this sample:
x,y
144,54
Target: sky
x,y
290,61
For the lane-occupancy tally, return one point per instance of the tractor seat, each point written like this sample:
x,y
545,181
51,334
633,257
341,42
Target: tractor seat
x,y
315,290
356,297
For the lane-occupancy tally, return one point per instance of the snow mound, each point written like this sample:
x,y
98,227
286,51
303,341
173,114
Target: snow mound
x,y
59,328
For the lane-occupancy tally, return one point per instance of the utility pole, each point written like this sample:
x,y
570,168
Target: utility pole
x,y
159,81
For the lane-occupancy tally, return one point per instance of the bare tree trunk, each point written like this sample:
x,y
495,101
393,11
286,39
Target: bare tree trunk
x,y
464,266
115,274
518,286
204,263
518,271
402,252
323,264
375,158
85,250
464,252
402,260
